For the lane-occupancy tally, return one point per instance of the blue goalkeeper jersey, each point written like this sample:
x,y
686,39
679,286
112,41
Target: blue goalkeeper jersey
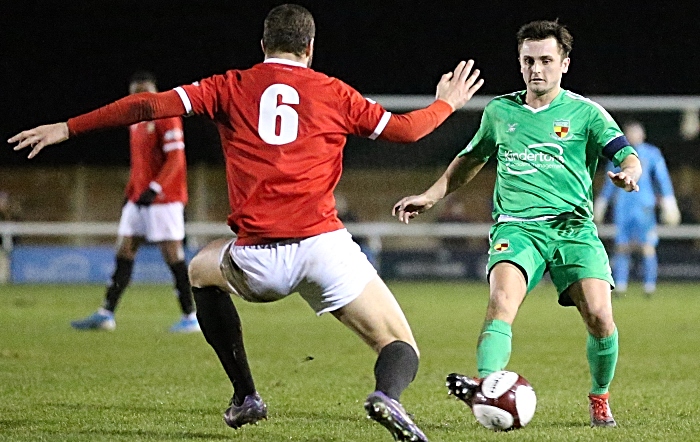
x,y
655,180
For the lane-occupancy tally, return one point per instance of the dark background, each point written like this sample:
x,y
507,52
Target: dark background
x,y
63,58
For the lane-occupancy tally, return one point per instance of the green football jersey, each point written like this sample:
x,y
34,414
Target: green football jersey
x,y
546,157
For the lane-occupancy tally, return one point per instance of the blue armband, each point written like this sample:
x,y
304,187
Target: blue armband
x,y
615,146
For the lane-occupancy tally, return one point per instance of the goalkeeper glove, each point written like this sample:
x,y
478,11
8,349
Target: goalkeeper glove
x,y
670,214
599,207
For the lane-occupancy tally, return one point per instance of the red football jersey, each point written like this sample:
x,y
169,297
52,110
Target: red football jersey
x,y
158,156
283,127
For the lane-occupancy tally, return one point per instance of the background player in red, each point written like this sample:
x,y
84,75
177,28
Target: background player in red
x,y
154,211
283,127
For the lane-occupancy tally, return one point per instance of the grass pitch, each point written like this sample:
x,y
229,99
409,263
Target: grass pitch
x,y
141,383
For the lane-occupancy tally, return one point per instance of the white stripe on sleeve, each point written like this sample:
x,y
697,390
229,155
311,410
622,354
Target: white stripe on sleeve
x,y
173,145
185,99
172,134
381,125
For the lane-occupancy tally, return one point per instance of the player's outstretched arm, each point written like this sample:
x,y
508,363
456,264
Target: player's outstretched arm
x,y
627,177
460,171
453,91
128,110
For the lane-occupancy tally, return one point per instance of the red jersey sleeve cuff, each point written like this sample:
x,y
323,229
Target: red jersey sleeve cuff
x,y
413,126
443,107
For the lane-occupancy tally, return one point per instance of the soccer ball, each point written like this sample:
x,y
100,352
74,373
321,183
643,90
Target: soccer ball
x,y
504,401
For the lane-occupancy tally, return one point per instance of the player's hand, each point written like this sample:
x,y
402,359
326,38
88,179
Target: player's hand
x,y
624,181
670,214
411,206
146,198
458,87
40,137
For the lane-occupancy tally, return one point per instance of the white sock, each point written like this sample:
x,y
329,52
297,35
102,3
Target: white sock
x,y
192,316
104,312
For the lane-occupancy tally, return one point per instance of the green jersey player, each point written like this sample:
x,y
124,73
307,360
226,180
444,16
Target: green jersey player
x,y
546,141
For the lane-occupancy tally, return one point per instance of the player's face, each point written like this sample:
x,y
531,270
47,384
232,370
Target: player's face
x,y
635,134
142,86
542,65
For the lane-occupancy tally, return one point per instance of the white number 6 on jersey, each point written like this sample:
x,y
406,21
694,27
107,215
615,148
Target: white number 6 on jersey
x,y
269,111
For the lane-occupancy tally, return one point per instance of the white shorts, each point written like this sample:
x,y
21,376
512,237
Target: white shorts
x,y
328,270
157,222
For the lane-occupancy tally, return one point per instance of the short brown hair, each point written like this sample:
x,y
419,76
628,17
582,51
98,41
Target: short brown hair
x,y
288,28
544,29
143,77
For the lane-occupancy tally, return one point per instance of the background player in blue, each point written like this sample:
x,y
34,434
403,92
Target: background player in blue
x,y
634,212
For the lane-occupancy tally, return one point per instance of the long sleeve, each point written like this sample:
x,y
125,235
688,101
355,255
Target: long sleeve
x,y
661,176
135,108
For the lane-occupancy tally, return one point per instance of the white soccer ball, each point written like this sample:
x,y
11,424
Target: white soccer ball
x,y
505,401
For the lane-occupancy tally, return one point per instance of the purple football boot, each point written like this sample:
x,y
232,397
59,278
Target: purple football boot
x,y
250,411
393,417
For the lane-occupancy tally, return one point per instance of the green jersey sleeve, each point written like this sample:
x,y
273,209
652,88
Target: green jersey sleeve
x,y
602,127
623,153
607,136
483,145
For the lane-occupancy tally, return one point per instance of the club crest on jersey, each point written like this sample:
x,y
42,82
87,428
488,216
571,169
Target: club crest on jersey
x,y
561,130
501,246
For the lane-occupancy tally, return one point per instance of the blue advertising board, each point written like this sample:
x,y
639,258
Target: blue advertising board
x,y
83,264
95,264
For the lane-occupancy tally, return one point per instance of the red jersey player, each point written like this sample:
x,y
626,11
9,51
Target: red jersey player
x,y
283,127
154,211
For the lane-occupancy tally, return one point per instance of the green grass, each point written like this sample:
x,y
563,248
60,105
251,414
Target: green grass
x,y
141,383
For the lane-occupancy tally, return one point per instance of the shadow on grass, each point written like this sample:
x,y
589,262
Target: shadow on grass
x,y
10,424
170,435
565,425
136,434
133,408
319,416
39,426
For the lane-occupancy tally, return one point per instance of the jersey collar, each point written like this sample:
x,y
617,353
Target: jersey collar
x,y
285,61
545,107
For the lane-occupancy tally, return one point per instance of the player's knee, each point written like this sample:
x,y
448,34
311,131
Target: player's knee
x,y
127,252
172,251
196,271
502,305
623,249
600,321
648,250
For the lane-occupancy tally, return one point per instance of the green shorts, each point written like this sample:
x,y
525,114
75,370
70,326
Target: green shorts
x,y
568,248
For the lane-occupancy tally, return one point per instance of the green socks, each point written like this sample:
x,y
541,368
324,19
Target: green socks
x,y
493,349
602,358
